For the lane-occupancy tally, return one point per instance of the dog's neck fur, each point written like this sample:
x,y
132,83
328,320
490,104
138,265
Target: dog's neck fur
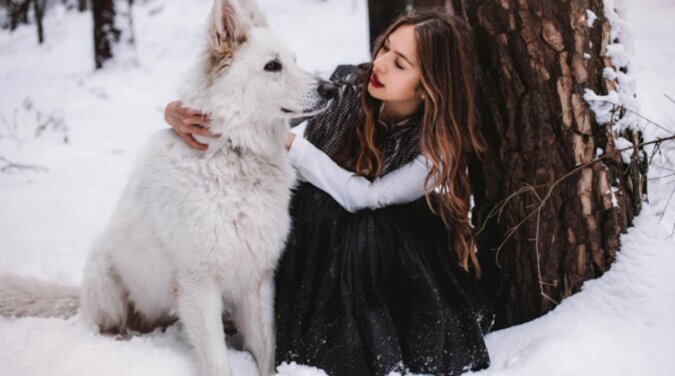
x,y
227,119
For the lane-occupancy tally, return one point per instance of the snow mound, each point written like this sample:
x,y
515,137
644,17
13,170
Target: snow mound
x,y
619,324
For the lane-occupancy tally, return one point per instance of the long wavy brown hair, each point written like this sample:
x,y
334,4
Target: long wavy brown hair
x,y
448,134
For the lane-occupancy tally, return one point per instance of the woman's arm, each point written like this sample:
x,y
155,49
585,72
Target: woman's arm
x,y
351,191
296,131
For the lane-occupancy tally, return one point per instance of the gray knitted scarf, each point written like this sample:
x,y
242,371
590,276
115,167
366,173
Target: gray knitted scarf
x,y
328,130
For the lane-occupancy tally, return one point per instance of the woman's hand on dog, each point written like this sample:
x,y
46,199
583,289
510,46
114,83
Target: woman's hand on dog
x,y
187,123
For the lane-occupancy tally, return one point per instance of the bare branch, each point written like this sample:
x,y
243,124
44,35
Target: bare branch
x,y
618,108
19,166
667,203
499,208
669,98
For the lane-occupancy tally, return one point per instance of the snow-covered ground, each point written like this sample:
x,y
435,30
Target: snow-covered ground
x,y
620,324
653,28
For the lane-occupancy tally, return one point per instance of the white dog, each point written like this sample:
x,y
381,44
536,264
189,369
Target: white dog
x,y
196,234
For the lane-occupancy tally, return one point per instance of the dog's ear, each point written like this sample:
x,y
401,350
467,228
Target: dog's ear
x,y
229,26
252,11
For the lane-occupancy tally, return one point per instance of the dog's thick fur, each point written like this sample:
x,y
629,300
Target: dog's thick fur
x,y
196,234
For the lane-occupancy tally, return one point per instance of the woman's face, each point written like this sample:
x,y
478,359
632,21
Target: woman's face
x,y
396,72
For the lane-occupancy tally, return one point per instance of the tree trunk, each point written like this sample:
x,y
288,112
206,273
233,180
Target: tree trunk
x,y
106,35
381,13
431,3
39,8
537,58
18,13
129,36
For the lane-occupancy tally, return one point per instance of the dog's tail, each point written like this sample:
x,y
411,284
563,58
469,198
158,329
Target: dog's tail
x,y
22,296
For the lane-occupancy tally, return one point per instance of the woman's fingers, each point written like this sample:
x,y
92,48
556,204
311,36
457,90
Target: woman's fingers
x,y
192,142
199,119
187,133
192,112
176,115
186,112
198,130
188,122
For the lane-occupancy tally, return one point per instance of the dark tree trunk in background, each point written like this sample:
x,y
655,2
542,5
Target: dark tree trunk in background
x,y
381,13
130,37
431,3
39,8
539,128
106,35
18,12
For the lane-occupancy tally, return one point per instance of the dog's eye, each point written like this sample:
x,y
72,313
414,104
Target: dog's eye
x,y
273,66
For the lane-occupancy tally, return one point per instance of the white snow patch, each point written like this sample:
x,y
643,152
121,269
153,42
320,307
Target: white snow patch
x,y
590,18
603,106
619,50
628,150
293,369
613,191
619,324
609,73
653,69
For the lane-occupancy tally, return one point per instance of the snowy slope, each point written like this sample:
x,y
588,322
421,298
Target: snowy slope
x,y
654,53
619,324
50,213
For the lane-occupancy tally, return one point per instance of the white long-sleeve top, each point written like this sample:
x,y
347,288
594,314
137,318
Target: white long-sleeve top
x,y
351,191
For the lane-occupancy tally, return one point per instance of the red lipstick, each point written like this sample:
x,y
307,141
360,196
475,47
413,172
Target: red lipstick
x,y
375,82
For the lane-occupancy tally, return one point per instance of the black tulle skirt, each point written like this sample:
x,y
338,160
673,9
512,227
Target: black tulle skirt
x,y
373,292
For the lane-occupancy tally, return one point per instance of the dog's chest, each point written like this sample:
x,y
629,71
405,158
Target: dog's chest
x,y
252,199
226,215
240,205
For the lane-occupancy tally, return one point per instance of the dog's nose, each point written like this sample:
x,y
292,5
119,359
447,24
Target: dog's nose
x,y
327,90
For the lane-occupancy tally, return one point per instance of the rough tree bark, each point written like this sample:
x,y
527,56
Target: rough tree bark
x,y
536,60
106,34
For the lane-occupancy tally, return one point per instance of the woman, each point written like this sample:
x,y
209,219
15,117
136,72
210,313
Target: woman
x,y
376,276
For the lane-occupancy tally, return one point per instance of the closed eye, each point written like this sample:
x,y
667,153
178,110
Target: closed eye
x,y
385,48
273,66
